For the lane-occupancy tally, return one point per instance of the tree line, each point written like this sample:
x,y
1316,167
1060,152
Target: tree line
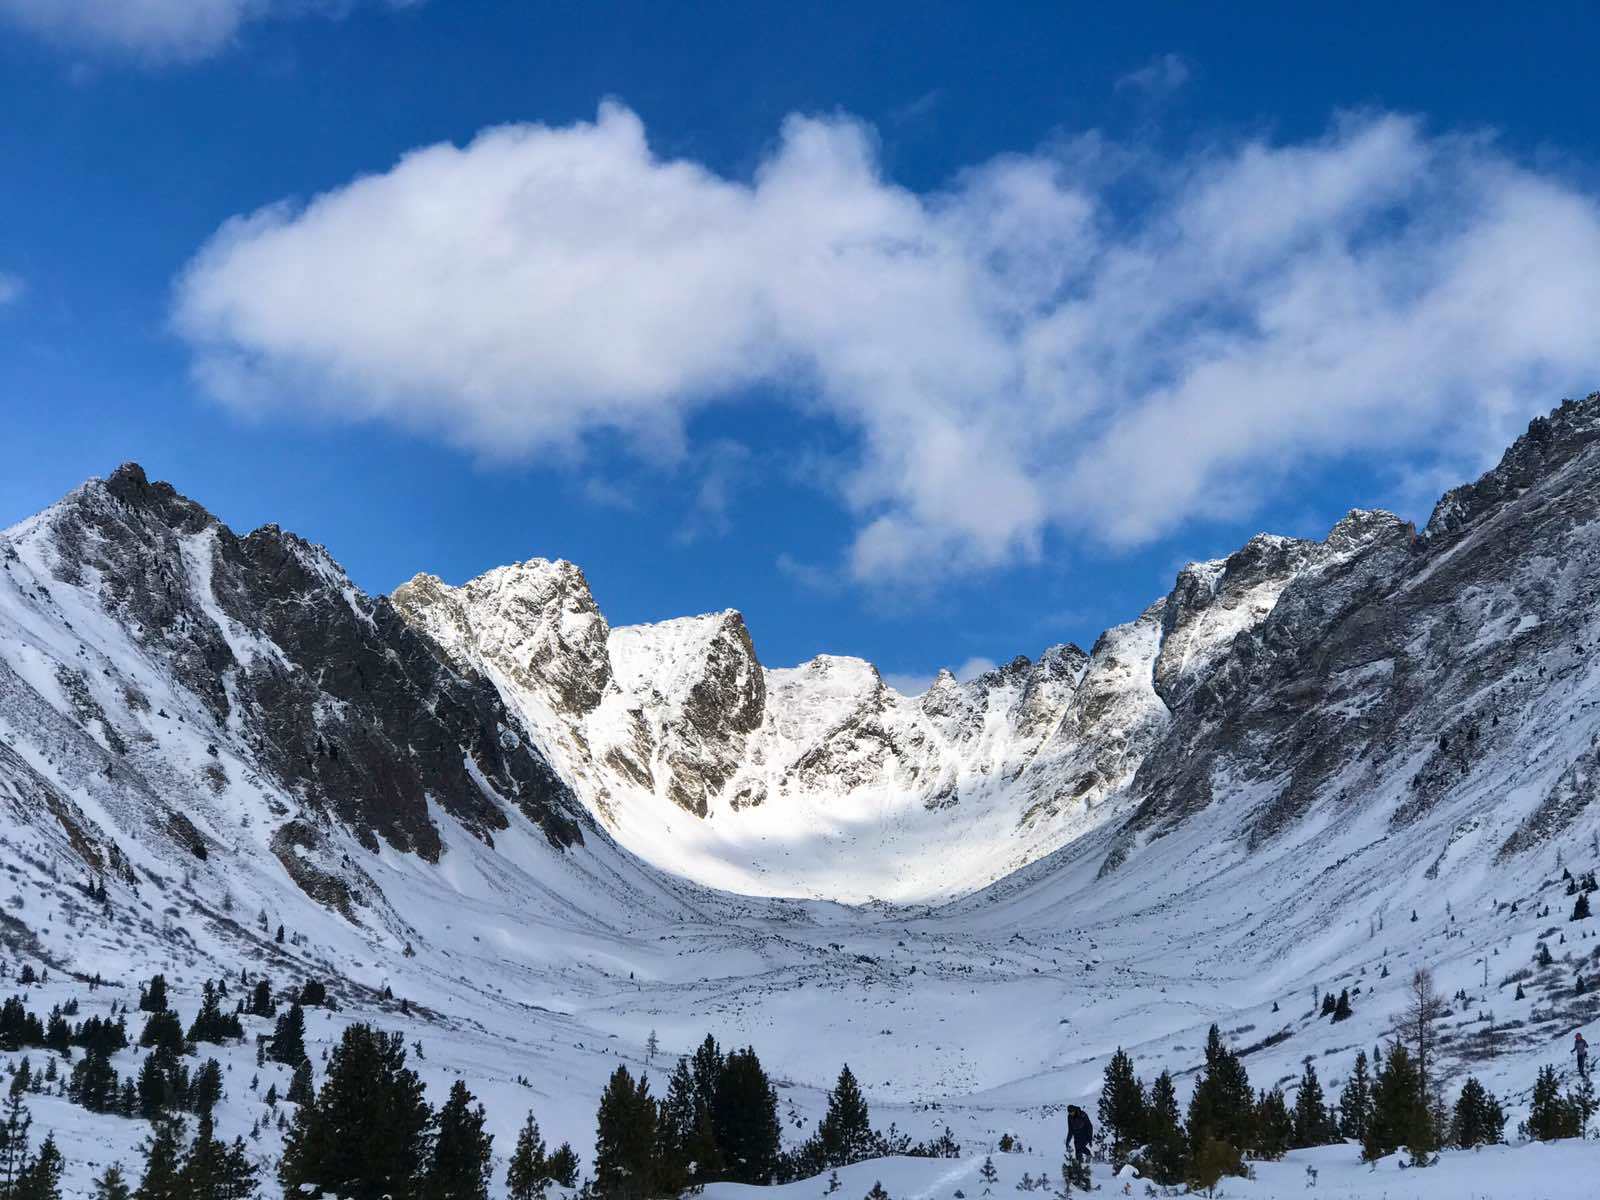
x,y
1390,1102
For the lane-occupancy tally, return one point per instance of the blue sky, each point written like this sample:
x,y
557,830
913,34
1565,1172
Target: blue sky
x,y
930,333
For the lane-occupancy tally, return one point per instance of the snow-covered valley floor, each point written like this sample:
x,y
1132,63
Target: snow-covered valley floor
x,y
988,1016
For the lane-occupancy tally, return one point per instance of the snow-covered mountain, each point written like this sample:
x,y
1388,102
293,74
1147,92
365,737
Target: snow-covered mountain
x,y
1311,764
821,780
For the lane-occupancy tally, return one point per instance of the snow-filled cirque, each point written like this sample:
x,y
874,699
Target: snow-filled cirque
x,y
542,847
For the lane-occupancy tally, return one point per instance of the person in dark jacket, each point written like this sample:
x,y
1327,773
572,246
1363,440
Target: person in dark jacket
x,y
1079,1132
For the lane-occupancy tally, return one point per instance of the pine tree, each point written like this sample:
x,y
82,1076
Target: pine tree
x,y
160,1180
1166,1149
745,1117
200,1176
1552,1115
1274,1127
625,1139
1312,1124
94,1081
987,1173
1580,910
876,1192
239,1175
367,1135
211,1024
1223,1106
302,1088
162,1031
462,1151
1478,1119
1341,1009
112,1184
844,1135
1122,1108
289,1037
563,1165
14,1135
527,1176
41,1179
1399,1115
206,1089
152,998
261,1004
686,1138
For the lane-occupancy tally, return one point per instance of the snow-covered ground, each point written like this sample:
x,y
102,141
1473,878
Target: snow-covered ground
x,y
1556,1171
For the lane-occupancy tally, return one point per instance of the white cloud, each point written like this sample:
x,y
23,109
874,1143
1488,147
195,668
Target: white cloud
x,y
1161,76
156,30
11,288
1013,354
973,667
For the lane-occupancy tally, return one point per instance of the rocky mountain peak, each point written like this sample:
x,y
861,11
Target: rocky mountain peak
x,y
1551,441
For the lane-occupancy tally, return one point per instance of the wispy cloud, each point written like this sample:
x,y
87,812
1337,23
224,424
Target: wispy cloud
x,y
157,31
1013,355
722,468
11,288
1159,77
604,493
810,576
914,683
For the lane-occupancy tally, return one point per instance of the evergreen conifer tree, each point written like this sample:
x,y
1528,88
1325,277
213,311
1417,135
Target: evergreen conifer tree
x,y
844,1135
152,998
368,1134
206,1089
687,1142
302,1089
289,1037
625,1139
527,1176
1274,1126
160,1180
1312,1124
162,1031
1399,1115
745,1117
261,1004
462,1150
112,1184
14,1134
94,1082
1355,1102
1478,1118
1166,1148
987,1173
563,1165
1580,910
1122,1108
1223,1106
41,1178
1552,1115
1341,1008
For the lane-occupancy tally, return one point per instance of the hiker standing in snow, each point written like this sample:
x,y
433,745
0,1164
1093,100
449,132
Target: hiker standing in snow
x,y
1579,1047
1079,1131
